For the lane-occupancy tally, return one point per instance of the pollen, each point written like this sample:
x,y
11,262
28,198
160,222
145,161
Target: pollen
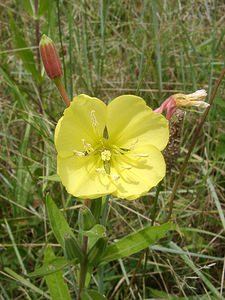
x,y
106,155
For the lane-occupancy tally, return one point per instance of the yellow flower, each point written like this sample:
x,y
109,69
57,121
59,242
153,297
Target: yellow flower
x,y
112,149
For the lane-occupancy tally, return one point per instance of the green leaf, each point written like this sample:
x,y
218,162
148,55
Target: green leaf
x,y
92,295
24,52
136,242
55,265
55,282
72,249
97,232
58,223
26,283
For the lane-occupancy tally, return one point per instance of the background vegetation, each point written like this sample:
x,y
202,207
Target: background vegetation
x,y
147,48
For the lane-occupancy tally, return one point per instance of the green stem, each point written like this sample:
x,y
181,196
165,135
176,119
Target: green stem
x,y
193,142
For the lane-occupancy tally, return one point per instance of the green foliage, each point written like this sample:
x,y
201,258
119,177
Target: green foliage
x,y
55,281
52,266
97,232
136,241
58,222
72,249
25,282
96,252
86,218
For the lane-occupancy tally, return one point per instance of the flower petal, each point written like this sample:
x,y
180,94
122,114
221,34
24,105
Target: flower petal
x,y
80,178
129,119
85,120
139,171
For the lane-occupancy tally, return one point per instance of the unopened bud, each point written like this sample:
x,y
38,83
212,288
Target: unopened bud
x,y
50,58
86,218
72,249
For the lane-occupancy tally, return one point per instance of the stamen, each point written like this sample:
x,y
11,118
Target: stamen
x,y
126,167
114,177
133,144
141,154
100,170
87,146
79,153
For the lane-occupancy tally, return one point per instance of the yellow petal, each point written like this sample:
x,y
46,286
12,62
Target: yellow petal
x,y
80,178
130,120
84,120
139,171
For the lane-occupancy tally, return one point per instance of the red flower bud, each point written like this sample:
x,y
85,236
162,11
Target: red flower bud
x,y
50,58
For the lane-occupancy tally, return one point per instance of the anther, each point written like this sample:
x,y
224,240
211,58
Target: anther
x,y
100,170
87,146
79,153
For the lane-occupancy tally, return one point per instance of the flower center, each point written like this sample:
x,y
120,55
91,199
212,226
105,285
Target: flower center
x,y
106,155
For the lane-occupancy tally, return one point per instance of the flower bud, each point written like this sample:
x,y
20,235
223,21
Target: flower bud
x,y
171,104
72,249
50,58
86,218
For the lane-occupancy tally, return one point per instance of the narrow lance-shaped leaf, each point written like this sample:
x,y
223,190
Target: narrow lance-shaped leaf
x,y
136,242
25,282
55,282
55,265
58,223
